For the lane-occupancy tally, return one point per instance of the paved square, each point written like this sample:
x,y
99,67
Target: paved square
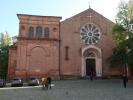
x,y
72,90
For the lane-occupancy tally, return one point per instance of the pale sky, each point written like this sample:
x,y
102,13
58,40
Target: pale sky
x,y
64,8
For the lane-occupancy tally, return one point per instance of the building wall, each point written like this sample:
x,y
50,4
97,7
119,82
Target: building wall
x,y
12,63
27,21
70,36
47,55
37,56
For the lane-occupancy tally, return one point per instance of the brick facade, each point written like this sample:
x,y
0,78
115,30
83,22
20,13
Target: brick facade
x,y
47,55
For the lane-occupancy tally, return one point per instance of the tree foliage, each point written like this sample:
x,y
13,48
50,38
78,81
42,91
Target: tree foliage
x,y
118,58
130,8
123,36
123,15
5,42
119,34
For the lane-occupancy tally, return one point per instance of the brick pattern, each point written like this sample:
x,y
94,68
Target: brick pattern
x,y
46,56
36,56
70,36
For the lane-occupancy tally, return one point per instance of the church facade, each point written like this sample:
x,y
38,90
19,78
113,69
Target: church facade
x,y
62,49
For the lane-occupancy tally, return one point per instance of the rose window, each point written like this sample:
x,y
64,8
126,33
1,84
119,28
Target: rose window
x,y
90,34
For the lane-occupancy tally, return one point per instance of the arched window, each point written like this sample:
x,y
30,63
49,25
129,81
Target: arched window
x,y
46,32
39,32
31,32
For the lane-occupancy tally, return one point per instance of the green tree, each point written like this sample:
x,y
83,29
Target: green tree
x,y
123,36
131,9
5,42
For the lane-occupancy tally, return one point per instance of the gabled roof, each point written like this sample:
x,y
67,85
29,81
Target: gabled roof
x,y
88,10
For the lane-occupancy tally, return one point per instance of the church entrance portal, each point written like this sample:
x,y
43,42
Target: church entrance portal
x,y
90,67
91,61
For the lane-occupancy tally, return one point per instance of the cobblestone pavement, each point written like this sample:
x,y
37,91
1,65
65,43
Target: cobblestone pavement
x,y
72,90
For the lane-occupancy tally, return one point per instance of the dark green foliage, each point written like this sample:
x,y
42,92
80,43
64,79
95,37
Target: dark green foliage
x,y
13,46
118,28
3,60
118,58
123,53
119,34
5,42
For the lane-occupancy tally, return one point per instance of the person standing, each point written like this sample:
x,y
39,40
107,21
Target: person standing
x,y
49,81
91,73
43,85
125,80
46,83
91,76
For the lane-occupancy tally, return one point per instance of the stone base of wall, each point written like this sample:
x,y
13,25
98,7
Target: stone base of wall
x,y
26,75
70,77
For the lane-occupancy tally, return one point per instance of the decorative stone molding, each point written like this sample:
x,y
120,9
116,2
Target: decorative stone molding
x,y
98,60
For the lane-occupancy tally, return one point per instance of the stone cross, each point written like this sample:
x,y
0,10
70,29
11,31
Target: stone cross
x,y
90,17
89,3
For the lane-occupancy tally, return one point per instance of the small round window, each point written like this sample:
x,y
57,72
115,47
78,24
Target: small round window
x,y
90,34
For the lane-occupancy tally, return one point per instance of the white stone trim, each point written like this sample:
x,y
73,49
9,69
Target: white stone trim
x,y
97,59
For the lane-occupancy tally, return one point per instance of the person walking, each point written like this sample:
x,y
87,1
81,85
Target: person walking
x,y
125,80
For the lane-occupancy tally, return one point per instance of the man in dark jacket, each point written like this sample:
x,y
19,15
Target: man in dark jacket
x,y
49,81
125,80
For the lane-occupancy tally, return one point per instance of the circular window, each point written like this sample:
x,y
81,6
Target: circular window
x,y
90,34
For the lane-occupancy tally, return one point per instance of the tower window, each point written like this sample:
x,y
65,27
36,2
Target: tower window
x,y
39,32
46,32
31,32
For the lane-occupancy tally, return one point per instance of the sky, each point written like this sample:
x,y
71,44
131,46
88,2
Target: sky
x,y
64,8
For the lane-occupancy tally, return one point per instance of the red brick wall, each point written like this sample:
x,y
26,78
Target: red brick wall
x,y
70,36
12,63
37,56
46,56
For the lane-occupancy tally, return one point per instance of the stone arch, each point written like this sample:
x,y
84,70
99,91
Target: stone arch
x,y
37,60
37,46
96,55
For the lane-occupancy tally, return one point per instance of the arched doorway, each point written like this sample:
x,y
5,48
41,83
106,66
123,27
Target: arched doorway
x,y
91,61
90,66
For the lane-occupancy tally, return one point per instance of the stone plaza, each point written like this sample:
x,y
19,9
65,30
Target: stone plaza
x,y
107,89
